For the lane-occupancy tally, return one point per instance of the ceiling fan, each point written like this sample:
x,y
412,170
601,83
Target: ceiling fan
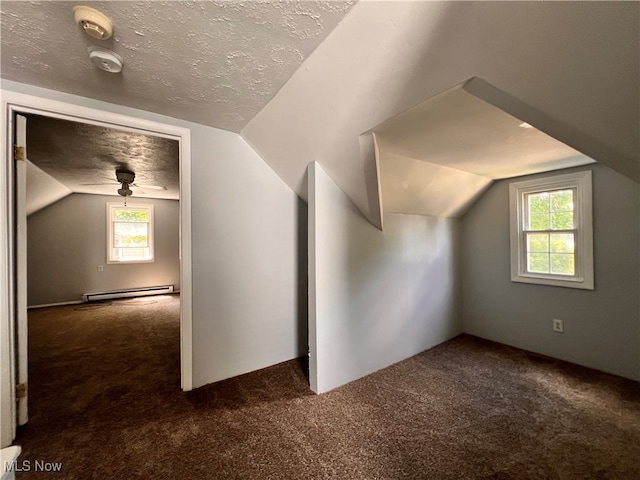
x,y
125,178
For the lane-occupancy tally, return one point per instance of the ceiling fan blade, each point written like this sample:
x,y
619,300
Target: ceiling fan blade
x,y
100,184
148,187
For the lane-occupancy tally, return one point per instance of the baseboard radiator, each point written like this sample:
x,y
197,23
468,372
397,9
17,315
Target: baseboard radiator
x,y
126,293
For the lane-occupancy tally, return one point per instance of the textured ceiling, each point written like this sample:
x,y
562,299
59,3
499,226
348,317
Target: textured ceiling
x,y
217,63
568,68
84,157
271,71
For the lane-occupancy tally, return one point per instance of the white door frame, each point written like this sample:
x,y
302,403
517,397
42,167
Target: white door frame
x,y
13,102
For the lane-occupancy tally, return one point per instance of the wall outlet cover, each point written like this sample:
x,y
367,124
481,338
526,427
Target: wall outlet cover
x,y
558,325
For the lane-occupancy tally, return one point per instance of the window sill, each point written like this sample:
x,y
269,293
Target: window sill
x,y
579,283
128,262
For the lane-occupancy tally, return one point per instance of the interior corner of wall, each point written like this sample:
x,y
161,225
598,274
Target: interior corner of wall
x,y
370,152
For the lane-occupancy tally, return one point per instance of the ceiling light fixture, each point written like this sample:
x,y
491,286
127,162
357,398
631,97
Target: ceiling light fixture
x,y
106,59
125,177
125,191
94,23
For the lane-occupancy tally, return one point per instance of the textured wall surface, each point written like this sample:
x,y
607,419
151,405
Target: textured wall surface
x,y
211,62
601,327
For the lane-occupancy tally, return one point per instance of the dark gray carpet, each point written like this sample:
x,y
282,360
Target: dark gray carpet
x,y
105,401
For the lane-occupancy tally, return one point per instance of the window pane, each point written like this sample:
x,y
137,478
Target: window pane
x,y
562,242
538,262
538,202
551,230
130,215
131,241
134,253
562,263
130,234
131,254
539,221
562,221
538,242
130,228
562,201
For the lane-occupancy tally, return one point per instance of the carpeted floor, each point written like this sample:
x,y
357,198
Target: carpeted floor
x,y
105,403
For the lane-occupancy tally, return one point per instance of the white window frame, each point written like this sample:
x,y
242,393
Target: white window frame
x,y
111,206
581,182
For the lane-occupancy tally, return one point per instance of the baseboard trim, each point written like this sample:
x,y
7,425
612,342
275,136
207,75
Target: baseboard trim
x,y
59,304
76,302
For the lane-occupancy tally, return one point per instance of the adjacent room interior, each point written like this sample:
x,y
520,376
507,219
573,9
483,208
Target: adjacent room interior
x,y
72,181
413,235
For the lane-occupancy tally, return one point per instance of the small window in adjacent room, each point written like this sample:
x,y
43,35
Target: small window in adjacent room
x,y
551,231
130,233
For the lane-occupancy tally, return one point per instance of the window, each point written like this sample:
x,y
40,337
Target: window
x,y
130,233
551,231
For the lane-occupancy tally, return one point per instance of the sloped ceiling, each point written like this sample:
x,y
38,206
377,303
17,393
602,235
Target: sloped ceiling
x,y
307,81
572,66
83,158
217,63
42,189
439,156
458,130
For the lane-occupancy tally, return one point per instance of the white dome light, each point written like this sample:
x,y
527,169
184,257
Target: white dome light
x,y
106,59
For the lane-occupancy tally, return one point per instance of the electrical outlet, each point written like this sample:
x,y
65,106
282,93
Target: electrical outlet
x,y
100,268
558,325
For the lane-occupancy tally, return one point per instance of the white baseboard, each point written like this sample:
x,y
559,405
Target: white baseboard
x,y
59,304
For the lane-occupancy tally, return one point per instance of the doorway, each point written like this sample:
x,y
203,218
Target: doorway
x,y
12,282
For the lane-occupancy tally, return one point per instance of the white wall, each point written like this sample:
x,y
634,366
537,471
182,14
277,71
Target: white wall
x,y
248,266
601,327
248,263
68,240
375,297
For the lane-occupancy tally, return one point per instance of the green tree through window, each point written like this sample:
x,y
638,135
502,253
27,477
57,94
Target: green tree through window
x,y
551,230
553,251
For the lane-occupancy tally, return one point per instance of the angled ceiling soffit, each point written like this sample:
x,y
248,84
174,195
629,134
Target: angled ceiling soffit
x,y
438,157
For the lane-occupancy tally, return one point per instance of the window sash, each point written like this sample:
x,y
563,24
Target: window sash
x,y
524,204
582,232
550,253
138,236
527,215
130,240
130,254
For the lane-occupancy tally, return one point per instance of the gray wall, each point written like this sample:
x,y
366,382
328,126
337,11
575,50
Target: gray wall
x,y
249,271
67,241
602,327
375,297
